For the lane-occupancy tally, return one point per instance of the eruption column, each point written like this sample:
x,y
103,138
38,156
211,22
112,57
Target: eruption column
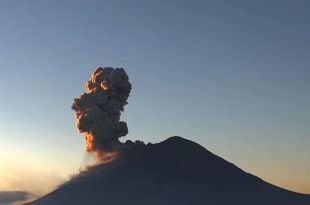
x,y
98,111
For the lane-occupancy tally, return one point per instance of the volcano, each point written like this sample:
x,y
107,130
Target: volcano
x,y
173,172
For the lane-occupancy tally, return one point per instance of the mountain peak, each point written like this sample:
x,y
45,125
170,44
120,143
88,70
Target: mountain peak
x,y
177,139
181,143
176,171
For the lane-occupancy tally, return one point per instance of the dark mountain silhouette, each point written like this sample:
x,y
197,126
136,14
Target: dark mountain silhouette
x,y
174,172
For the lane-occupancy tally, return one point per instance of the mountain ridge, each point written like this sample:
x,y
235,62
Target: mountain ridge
x,y
174,171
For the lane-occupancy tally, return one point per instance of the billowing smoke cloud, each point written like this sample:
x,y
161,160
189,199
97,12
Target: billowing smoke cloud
x,y
98,111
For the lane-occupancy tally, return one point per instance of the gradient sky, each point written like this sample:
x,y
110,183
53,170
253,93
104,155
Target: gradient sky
x,y
233,76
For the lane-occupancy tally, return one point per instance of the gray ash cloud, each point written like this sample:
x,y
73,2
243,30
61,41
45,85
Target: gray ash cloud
x,y
98,110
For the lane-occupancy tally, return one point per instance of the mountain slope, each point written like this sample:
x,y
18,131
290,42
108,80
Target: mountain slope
x,y
173,172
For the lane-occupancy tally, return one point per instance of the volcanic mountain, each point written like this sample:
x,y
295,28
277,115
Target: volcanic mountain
x,y
174,172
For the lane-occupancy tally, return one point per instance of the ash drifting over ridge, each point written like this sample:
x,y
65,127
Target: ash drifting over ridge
x,y
173,172
98,111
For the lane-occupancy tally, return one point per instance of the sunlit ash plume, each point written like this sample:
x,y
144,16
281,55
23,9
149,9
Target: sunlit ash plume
x,y
98,111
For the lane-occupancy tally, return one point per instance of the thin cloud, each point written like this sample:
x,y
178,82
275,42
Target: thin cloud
x,y
9,197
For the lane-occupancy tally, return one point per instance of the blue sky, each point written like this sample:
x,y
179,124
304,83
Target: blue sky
x,y
233,76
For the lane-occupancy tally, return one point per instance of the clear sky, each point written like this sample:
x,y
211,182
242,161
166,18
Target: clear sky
x,y
233,76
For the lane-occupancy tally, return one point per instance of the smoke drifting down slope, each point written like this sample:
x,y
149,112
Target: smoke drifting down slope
x,y
98,111
173,172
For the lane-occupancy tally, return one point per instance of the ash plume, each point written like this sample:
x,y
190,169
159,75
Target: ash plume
x,y
98,111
